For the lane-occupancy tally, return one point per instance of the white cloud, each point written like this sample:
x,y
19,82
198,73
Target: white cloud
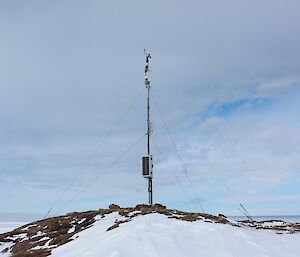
x,y
278,86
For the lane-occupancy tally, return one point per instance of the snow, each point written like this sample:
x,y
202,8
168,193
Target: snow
x,y
9,226
28,227
71,230
82,220
39,233
44,238
45,246
155,235
134,212
4,246
273,223
6,227
18,236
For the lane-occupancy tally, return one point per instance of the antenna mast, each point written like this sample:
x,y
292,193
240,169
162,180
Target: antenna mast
x,y
147,160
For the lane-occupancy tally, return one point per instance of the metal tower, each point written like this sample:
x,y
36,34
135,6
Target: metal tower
x,y
147,160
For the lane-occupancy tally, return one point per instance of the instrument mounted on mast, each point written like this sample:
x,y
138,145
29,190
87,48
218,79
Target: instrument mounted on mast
x,y
147,166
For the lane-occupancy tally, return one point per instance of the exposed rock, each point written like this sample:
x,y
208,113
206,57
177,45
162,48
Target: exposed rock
x,y
114,207
142,206
159,206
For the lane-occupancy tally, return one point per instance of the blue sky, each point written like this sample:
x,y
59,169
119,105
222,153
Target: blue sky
x,y
226,76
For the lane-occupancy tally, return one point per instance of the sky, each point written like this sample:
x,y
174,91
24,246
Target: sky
x,y
225,105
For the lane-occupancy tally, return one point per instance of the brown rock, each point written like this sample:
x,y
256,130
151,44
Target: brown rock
x,y
114,207
141,206
159,206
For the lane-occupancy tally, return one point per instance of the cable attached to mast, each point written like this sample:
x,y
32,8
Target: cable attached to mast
x,y
92,156
238,203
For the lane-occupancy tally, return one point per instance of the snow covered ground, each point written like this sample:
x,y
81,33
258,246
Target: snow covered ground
x,y
288,218
155,235
6,226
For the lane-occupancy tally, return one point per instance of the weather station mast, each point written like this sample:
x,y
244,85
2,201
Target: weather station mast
x,y
147,166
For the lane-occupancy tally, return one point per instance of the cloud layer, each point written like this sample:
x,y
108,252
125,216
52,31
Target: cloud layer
x,y
226,76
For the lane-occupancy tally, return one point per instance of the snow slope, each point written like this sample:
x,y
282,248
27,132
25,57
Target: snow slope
x,y
155,235
6,226
150,231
